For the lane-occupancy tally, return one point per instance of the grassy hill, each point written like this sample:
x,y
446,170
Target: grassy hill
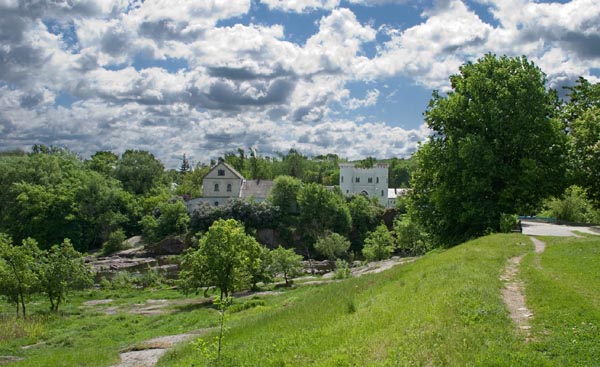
x,y
443,310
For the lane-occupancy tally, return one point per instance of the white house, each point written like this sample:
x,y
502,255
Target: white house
x,y
223,183
371,182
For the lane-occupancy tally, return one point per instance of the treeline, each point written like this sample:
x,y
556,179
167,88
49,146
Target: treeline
x,y
321,169
50,194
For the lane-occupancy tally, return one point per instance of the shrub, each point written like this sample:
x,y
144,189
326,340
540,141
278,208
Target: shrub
x,y
508,222
116,242
410,238
573,206
379,244
342,269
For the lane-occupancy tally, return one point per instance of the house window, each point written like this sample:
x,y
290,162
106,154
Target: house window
x,y
221,172
228,187
347,191
357,180
370,180
377,179
382,193
342,179
216,187
216,203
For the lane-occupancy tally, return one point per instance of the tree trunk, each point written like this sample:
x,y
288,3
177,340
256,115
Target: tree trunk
x,y
23,306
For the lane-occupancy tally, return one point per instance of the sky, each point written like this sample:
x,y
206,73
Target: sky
x,y
205,77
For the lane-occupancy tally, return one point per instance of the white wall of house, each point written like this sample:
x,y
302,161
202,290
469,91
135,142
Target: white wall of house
x,y
221,182
372,182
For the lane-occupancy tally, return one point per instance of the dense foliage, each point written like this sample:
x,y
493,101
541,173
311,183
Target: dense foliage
x,y
226,257
497,147
26,270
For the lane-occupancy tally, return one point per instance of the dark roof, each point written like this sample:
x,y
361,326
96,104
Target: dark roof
x,y
256,188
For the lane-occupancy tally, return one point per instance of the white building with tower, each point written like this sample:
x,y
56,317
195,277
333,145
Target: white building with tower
x,y
371,182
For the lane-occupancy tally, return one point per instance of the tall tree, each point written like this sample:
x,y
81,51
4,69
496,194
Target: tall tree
x,y
582,114
497,147
322,210
139,171
185,165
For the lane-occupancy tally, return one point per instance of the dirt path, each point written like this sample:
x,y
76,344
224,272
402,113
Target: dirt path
x,y
513,294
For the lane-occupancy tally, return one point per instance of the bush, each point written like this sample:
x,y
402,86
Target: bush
x,y
122,280
508,222
342,269
573,206
116,242
410,238
379,244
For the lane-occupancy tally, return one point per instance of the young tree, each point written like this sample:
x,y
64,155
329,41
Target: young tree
x,y
63,270
226,258
379,244
285,262
19,270
497,147
332,246
410,238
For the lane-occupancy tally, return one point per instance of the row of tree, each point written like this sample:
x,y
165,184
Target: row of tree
x,y
26,270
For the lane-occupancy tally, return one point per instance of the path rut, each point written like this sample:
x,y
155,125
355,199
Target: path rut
x,y
513,294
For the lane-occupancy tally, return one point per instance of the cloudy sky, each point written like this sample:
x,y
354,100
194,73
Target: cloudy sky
x,y
204,77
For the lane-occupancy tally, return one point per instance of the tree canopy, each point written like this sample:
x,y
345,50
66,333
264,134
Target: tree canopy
x,y
226,258
497,147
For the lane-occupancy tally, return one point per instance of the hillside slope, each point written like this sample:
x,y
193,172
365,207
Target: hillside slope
x,y
445,309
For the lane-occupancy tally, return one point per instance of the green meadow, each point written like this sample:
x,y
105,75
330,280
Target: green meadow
x,y
445,309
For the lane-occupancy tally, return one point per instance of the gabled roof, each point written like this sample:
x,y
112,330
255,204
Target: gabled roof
x,y
233,170
256,188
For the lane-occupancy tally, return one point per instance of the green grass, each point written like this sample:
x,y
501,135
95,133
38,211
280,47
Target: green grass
x,y
563,290
445,309
87,336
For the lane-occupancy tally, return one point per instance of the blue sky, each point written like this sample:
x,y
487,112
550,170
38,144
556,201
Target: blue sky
x,y
350,77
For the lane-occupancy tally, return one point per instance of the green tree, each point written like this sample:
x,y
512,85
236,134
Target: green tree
x,y
139,171
103,162
168,218
185,165
285,262
63,270
582,114
497,147
19,270
322,210
410,238
332,246
366,215
226,258
379,244
284,194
